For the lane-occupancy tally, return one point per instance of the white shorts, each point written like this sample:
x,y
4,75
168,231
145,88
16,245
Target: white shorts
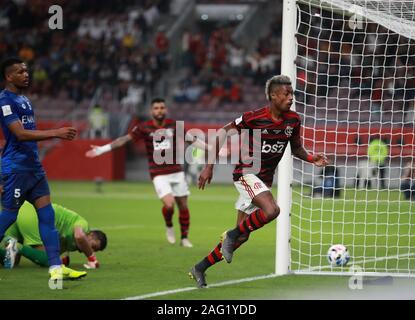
x,y
248,187
173,183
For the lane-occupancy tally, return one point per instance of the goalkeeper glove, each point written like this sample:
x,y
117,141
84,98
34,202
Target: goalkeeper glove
x,y
92,262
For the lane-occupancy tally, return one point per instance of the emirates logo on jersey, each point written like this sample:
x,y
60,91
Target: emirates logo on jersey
x,y
289,131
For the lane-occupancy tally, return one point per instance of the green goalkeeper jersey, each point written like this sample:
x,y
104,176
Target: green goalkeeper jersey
x,y
26,227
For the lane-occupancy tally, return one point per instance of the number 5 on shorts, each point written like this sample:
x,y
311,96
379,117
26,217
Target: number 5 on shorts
x,y
17,193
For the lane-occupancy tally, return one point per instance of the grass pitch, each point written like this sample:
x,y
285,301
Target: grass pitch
x,y
139,261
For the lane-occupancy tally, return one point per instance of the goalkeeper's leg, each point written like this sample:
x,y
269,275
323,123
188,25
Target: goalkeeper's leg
x,y
37,256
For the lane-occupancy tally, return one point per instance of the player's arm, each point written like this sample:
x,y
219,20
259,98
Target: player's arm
x,y
16,127
117,143
197,142
207,173
83,245
298,150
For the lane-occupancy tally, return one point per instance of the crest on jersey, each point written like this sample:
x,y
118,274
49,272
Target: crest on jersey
x,y
289,131
7,110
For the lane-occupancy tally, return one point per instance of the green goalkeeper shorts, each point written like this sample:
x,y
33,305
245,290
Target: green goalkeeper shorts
x,y
27,226
14,232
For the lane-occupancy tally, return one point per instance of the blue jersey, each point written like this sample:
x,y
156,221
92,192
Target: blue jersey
x,y
18,156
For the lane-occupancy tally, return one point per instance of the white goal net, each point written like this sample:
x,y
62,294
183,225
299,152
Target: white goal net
x,y
355,91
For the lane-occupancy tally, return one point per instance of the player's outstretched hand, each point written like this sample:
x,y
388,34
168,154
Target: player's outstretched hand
x,y
66,133
92,262
205,176
91,265
93,152
320,160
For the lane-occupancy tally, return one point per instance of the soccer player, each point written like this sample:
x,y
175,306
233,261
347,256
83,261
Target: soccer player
x,y
23,237
22,173
168,179
256,206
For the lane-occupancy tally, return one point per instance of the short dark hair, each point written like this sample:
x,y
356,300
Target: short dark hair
x,y
274,82
8,62
101,236
157,100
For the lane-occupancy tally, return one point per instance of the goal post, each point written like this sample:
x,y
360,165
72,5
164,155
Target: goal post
x,y
352,63
285,167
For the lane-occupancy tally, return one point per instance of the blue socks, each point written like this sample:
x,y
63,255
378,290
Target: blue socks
x,y
6,220
49,234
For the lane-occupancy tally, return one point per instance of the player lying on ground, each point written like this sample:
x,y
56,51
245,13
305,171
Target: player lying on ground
x,y
23,238
168,179
22,173
256,206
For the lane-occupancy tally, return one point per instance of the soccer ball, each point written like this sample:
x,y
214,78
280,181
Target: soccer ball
x,y
338,255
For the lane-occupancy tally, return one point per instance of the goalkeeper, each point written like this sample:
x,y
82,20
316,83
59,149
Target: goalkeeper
x,y
23,238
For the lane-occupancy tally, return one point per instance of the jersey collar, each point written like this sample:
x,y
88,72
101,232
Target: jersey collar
x,y
269,115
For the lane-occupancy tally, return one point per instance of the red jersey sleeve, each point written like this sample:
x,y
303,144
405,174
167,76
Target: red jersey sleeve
x,y
297,130
137,132
243,121
296,135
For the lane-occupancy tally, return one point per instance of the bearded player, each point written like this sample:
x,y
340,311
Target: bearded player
x,y
256,206
168,179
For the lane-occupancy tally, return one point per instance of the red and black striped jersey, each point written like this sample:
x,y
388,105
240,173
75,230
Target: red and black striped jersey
x,y
164,142
273,141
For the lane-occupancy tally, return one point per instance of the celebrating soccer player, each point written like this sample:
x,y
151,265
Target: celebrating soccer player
x,y
256,206
168,178
22,173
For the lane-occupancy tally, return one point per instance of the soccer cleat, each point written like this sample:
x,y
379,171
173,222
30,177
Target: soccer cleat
x,y
198,276
228,245
186,243
65,273
11,252
171,237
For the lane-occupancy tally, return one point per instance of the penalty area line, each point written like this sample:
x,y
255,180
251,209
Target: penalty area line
x,y
214,285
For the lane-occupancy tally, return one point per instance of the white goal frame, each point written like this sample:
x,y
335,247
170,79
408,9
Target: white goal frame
x,y
285,169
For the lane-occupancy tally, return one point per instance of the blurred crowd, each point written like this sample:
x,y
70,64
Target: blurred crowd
x,y
125,48
217,64
101,43
361,62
